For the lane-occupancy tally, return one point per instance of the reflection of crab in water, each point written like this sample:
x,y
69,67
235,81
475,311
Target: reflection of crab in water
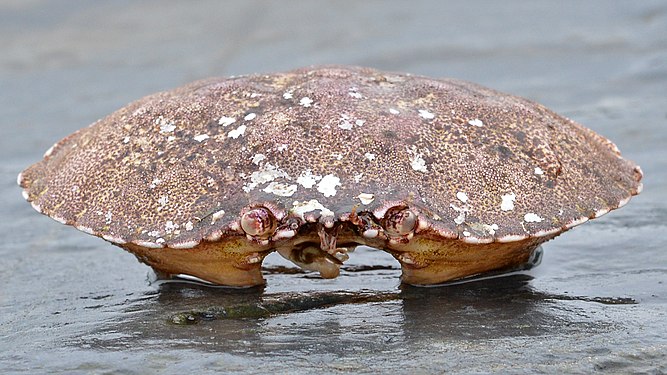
x,y
451,178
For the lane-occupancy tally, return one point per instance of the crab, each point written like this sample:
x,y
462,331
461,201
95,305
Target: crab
x,y
451,178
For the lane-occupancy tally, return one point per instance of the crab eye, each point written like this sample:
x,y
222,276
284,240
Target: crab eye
x,y
258,222
399,221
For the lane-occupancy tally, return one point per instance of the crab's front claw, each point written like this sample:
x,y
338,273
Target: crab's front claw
x,y
312,258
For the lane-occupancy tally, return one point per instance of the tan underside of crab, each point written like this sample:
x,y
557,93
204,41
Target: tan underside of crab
x,y
424,260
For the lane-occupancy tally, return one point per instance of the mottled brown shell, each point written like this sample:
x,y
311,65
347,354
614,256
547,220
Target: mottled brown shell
x,y
181,166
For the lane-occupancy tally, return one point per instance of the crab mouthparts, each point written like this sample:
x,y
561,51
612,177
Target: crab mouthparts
x,y
325,257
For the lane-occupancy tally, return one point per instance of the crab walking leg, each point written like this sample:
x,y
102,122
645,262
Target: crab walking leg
x,y
215,262
427,263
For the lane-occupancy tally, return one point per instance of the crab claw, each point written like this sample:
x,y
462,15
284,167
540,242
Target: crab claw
x,y
312,258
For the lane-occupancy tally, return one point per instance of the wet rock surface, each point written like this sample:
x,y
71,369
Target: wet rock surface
x,y
75,304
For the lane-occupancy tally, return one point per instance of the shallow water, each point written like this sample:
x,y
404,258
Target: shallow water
x,y
75,304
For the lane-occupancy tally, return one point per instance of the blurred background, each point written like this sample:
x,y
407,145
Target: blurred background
x,y
75,304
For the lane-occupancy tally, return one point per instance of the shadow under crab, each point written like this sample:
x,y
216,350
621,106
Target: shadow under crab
x,y
451,178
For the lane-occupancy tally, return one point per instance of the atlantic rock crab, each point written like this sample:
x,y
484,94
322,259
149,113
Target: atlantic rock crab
x,y
451,178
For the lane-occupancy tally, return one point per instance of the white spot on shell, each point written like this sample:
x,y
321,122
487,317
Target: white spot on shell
x,y
170,226
237,132
168,128
126,140
358,177
257,158
170,138
306,101
189,226
287,95
201,137
508,202
163,200
461,218
539,171
366,198
36,207
165,125
345,125
226,121
107,217
463,197
327,186
307,179
282,147
300,208
394,111
359,122
490,229
466,233
154,183
426,114
25,195
267,173
369,156
59,219
250,116
532,218
476,122
280,189
217,216
417,161
344,122
353,93
19,177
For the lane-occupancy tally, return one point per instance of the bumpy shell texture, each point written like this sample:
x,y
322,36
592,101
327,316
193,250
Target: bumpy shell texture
x,y
178,167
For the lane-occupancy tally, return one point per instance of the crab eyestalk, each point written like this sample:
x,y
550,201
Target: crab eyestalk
x,y
400,222
258,223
